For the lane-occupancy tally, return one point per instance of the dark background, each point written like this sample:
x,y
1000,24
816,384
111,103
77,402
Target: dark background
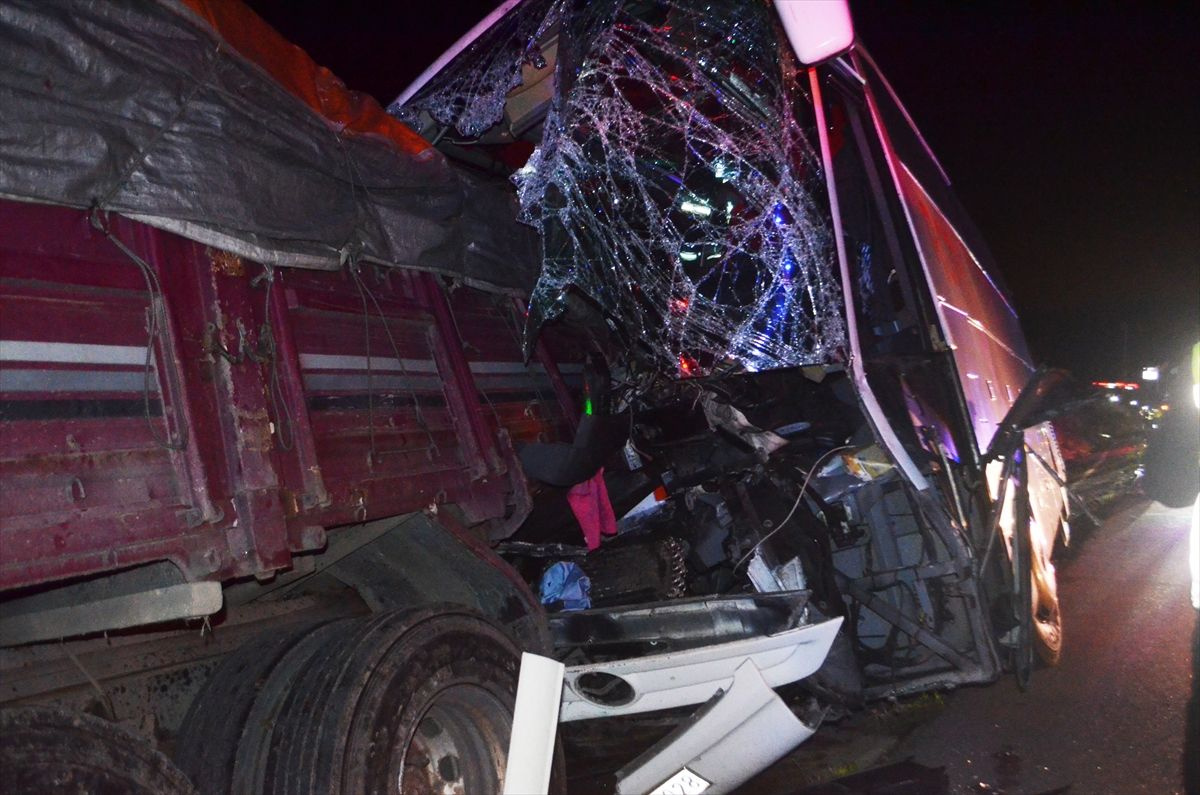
x,y
1071,132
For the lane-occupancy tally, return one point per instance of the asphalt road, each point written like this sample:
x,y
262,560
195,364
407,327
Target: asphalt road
x,y
1110,719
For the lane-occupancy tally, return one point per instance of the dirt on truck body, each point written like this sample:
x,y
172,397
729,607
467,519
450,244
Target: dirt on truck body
x,y
624,337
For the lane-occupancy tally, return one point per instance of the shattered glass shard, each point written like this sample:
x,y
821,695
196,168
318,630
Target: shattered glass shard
x,y
469,95
678,188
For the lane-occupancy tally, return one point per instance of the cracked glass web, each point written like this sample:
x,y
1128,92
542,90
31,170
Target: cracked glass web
x,y
677,185
678,188
469,96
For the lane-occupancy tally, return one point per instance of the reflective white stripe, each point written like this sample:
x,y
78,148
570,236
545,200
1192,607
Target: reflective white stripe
x,y
523,381
359,383
70,352
321,361
72,381
343,382
489,368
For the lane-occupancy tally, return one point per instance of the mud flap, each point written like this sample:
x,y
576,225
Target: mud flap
x,y
735,735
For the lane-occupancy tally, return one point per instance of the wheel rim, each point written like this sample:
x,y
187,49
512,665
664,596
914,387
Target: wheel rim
x,y
459,746
1047,619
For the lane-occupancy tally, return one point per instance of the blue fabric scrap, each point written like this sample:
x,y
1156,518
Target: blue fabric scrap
x,y
565,582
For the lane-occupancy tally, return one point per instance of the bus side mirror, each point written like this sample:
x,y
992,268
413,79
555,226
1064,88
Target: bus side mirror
x,y
1048,394
817,29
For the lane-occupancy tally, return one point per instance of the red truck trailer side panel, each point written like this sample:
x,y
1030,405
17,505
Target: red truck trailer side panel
x,y
278,404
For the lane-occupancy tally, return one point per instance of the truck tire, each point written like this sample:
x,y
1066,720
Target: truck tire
x,y
408,702
228,726
46,749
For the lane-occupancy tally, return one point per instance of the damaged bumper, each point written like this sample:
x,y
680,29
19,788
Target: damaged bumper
x,y
743,730
725,653
683,678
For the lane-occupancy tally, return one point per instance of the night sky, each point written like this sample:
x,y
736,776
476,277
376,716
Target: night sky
x,y
1071,133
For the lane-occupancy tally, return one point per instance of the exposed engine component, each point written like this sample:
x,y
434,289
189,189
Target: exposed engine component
x,y
774,482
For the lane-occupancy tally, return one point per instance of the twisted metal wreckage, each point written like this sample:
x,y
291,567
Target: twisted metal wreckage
x,y
756,324
764,259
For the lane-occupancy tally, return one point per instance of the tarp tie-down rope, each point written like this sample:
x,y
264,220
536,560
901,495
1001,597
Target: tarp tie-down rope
x,y
195,117
139,157
364,294
268,354
156,320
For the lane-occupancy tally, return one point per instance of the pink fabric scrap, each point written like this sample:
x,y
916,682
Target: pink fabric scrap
x,y
593,510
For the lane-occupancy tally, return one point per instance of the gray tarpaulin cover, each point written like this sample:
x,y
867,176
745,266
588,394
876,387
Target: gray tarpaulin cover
x,y
141,108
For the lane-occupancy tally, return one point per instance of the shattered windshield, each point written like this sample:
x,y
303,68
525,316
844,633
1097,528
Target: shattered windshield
x,y
469,96
677,186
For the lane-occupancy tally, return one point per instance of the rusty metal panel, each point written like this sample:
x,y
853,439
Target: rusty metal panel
x,y
85,481
275,404
534,401
388,417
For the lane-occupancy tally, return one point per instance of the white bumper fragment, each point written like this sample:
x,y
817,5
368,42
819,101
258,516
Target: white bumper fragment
x,y
728,741
693,676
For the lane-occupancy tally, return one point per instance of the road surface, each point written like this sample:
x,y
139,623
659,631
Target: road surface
x,y
1110,718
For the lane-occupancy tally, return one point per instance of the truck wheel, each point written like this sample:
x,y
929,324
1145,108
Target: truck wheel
x,y
45,749
409,702
228,725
